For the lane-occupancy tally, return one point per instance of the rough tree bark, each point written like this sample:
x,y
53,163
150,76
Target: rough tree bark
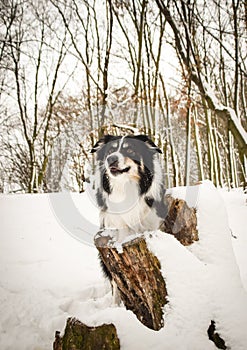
x,y
181,221
136,271
78,336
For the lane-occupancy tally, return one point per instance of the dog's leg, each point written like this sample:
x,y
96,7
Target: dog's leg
x,y
115,294
116,298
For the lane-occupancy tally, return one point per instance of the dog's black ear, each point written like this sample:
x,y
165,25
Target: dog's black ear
x,y
101,142
149,142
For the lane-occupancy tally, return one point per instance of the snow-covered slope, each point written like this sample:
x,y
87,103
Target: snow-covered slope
x,y
49,271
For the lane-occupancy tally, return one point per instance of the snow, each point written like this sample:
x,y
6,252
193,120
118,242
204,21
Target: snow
x,y
49,271
219,106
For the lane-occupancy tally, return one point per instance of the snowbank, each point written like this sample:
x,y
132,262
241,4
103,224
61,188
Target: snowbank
x,y
47,275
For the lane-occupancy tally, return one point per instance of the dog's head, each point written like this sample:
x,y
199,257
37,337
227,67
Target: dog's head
x,y
127,156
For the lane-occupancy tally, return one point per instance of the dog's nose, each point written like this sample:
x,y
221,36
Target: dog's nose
x,y
112,160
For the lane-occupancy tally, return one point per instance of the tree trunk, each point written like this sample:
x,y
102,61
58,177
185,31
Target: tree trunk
x,y
222,111
81,337
180,221
136,271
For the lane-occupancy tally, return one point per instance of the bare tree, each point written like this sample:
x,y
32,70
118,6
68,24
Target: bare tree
x,y
28,55
174,13
88,27
115,52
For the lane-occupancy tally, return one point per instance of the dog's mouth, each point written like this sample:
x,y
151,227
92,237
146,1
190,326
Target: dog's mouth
x,y
116,171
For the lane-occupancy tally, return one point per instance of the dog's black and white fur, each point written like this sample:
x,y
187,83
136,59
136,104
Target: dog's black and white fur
x,y
129,189
129,185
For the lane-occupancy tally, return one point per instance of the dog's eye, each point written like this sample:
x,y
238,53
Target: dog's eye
x,y
111,150
131,151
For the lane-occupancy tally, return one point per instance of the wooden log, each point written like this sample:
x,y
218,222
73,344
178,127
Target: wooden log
x,y
78,336
136,271
181,221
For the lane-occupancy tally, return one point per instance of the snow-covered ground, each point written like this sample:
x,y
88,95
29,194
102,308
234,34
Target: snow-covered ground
x,y
49,271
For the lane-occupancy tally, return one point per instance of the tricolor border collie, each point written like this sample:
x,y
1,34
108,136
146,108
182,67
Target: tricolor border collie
x,y
129,185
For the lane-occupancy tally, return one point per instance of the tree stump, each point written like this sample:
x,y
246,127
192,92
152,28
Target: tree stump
x,y
136,271
181,221
78,336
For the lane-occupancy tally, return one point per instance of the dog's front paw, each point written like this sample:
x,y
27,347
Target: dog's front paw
x,y
105,236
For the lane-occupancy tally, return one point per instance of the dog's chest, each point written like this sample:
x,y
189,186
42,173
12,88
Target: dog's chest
x,y
127,209
123,197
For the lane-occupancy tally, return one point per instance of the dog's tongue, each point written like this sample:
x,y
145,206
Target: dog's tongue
x,y
115,170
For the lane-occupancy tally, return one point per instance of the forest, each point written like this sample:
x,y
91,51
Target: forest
x,y
73,70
